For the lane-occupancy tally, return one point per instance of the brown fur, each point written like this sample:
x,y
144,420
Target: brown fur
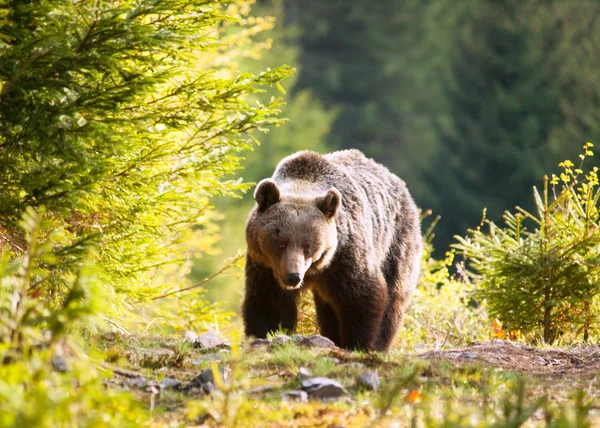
x,y
343,226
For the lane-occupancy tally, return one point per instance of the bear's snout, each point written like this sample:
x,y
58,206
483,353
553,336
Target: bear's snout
x,y
293,279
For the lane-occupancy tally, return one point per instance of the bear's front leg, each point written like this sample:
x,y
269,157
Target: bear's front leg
x,y
267,307
362,302
329,325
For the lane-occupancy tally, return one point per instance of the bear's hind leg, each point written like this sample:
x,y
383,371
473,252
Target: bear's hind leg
x,y
267,307
329,325
401,279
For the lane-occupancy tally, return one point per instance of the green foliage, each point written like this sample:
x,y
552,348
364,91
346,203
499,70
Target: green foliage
x,y
24,278
123,118
442,312
545,279
32,394
306,127
38,342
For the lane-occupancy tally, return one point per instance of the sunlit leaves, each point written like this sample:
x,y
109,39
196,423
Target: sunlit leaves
x,y
123,119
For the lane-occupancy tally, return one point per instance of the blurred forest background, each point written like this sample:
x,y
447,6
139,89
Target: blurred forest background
x,y
469,102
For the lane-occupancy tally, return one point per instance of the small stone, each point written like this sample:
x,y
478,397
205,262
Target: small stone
x,y
369,380
317,341
205,377
298,396
209,388
323,388
279,341
256,343
303,374
169,383
189,336
209,341
60,364
137,382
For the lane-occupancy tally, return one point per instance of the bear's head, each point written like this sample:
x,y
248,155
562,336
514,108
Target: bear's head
x,y
292,233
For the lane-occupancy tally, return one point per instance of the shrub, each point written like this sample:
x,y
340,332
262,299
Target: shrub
x,y
545,279
442,312
45,379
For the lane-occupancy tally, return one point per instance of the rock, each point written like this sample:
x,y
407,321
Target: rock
x,y
303,374
209,341
256,343
207,358
206,377
298,396
369,380
279,340
136,382
317,341
60,364
323,388
189,336
168,383
209,388
297,338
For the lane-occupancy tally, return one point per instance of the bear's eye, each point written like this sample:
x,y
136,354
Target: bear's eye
x,y
276,231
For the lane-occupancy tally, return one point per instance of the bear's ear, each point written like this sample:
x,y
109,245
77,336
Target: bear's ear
x,y
330,203
266,194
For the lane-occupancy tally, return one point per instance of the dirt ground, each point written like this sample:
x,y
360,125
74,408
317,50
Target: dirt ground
x,y
581,361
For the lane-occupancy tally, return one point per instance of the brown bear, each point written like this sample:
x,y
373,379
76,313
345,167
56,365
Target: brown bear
x,y
342,226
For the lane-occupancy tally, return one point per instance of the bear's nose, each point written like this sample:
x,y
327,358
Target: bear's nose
x,y
292,279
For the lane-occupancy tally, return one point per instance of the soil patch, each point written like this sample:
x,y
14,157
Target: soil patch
x,y
580,361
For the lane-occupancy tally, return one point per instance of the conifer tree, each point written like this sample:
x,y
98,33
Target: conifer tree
x,y
122,119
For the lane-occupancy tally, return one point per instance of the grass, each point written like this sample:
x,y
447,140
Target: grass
x,y
414,392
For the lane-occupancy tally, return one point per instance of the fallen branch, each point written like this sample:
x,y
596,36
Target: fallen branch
x,y
120,371
204,281
122,329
